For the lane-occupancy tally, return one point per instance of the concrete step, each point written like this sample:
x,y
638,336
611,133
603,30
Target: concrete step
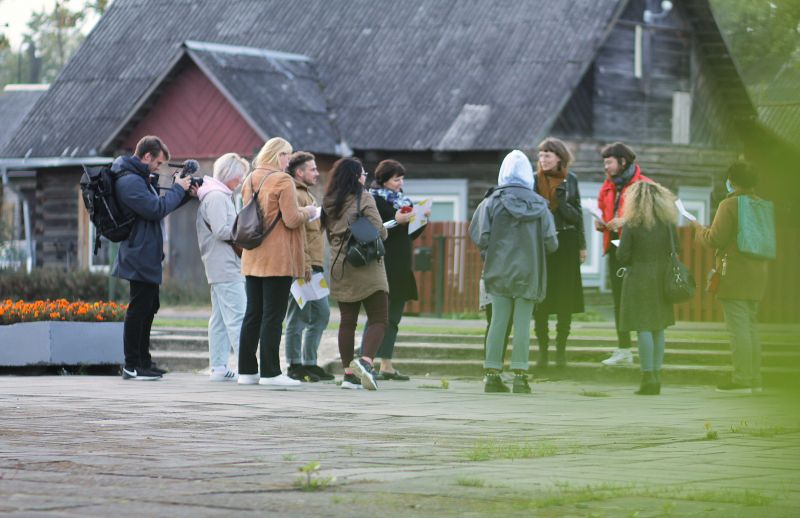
x,y
593,353
672,373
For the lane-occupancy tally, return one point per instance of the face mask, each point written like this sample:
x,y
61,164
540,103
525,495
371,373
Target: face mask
x,y
729,186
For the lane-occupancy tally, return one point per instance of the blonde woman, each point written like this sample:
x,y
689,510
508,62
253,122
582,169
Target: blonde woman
x,y
270,267
215,218
643,252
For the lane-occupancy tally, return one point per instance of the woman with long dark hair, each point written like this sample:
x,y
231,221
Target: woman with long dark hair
x,y
345,200
559,186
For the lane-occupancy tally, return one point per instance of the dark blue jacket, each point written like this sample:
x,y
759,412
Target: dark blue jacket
x,y
140,256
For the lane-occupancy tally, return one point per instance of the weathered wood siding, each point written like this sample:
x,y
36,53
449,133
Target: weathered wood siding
x,y
55,217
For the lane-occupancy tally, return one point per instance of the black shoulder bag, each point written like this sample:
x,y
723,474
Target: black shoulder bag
x,y
363,241
248,229
679,282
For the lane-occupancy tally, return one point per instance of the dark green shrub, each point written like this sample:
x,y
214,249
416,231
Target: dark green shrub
x,y
46,283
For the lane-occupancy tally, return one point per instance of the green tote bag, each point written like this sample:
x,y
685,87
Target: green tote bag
x,y
756,234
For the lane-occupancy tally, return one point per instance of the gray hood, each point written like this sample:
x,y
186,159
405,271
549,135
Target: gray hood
x,y
521,203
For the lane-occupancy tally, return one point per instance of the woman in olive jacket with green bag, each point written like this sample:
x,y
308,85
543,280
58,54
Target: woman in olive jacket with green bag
x,y
741,284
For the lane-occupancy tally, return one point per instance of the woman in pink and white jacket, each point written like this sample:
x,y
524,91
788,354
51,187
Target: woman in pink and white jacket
x,y
215,219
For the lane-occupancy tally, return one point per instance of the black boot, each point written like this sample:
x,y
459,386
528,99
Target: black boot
x,y
561,352
657,382
521,383
648,385
493,382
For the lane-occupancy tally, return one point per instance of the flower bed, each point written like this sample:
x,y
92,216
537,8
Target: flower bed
x,y
12,312
58,332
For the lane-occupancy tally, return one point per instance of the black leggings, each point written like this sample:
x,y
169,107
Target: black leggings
x,y
267,299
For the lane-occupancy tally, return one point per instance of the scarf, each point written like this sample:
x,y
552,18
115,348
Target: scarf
x,y
620,181
546,184
397,199
211,184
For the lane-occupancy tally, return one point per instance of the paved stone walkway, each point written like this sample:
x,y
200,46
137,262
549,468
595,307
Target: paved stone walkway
x,y
183,446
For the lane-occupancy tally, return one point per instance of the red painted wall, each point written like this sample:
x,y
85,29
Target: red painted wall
x,y
196,121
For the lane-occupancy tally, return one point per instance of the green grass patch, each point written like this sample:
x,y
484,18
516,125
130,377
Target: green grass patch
x,y
493,450
593,393
470,482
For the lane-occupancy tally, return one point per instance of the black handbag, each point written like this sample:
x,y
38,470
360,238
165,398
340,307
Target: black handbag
x,y
248,229
365,244
679,284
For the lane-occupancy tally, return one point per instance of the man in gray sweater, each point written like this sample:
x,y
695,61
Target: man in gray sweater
x,y
215,219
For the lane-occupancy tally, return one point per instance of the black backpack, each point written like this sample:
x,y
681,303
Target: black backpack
x,y
108,217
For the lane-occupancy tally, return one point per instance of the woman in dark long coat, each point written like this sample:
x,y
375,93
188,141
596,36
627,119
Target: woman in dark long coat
x,y
387,189
556,184
644,252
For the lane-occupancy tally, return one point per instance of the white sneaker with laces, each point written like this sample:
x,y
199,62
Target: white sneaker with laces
x,y
619,357
222,374
281,380
248,379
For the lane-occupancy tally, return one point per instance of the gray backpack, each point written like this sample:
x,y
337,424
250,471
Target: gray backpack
x,y
248,229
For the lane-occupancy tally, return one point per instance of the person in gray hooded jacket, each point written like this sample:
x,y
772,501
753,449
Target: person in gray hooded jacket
x,y
514,231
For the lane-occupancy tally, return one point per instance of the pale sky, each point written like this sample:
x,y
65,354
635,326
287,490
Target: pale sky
x,y
16,14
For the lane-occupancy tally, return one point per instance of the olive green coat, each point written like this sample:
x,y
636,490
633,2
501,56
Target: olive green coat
x,y
350,283
745,278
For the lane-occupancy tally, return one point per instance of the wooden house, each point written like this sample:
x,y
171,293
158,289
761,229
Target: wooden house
x,y
447,87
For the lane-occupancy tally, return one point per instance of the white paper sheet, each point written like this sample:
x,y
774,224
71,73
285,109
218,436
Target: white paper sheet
x,y
418,218
316,289
615,242
685,213
317,215
595,212
390,224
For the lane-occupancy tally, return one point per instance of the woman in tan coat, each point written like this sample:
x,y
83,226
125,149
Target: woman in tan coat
x,y
270,267
353,286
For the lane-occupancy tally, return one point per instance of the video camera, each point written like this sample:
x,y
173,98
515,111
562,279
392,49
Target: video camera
x,y
188,168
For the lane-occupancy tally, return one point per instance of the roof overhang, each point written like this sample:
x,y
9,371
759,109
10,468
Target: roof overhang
x,y
48,162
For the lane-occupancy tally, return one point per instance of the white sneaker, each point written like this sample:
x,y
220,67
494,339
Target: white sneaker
x,y
281,380
619,357
248,379
222,374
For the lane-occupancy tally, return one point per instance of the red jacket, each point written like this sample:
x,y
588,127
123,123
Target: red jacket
x,y
605,202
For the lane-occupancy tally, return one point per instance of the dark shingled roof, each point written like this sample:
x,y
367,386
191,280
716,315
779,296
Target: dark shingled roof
x,y
277,93
779,110
397,75
16,102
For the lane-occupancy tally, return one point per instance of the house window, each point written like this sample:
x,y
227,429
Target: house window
x,y
593,269
449,197
102,261
697,201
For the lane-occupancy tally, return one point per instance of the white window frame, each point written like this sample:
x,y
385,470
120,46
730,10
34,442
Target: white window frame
x,y
697,200
104,268
593,270
451,191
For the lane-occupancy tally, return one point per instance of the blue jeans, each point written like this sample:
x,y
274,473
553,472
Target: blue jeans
x,y
741,318
228,301
651,350
313,319
503,308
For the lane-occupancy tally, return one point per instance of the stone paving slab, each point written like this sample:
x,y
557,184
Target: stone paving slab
x,y
98,446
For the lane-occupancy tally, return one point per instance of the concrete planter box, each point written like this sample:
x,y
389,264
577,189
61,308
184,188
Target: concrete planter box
x,y
61,343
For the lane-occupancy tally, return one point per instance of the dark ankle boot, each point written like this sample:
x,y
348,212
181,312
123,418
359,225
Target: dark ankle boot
x,y
493,382
561,354
647,386
520,385
657,382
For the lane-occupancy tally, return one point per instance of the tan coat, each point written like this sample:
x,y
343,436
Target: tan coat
x,y
745,278
350,283
282,251
314,245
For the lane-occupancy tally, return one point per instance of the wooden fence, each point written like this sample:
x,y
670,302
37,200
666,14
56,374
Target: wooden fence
x,y
456,289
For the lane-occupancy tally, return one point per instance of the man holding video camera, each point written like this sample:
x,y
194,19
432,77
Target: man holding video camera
x,y
140,255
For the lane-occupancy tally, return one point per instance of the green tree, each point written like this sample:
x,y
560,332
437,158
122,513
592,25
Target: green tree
x,y
763,36
53,35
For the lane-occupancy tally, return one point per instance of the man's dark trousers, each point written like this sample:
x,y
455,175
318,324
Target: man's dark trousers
x,y
138,321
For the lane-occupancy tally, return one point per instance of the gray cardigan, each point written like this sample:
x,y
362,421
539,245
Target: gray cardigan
x,y
514,230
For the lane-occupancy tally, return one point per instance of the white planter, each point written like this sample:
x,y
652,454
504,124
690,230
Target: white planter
x,y
61,343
